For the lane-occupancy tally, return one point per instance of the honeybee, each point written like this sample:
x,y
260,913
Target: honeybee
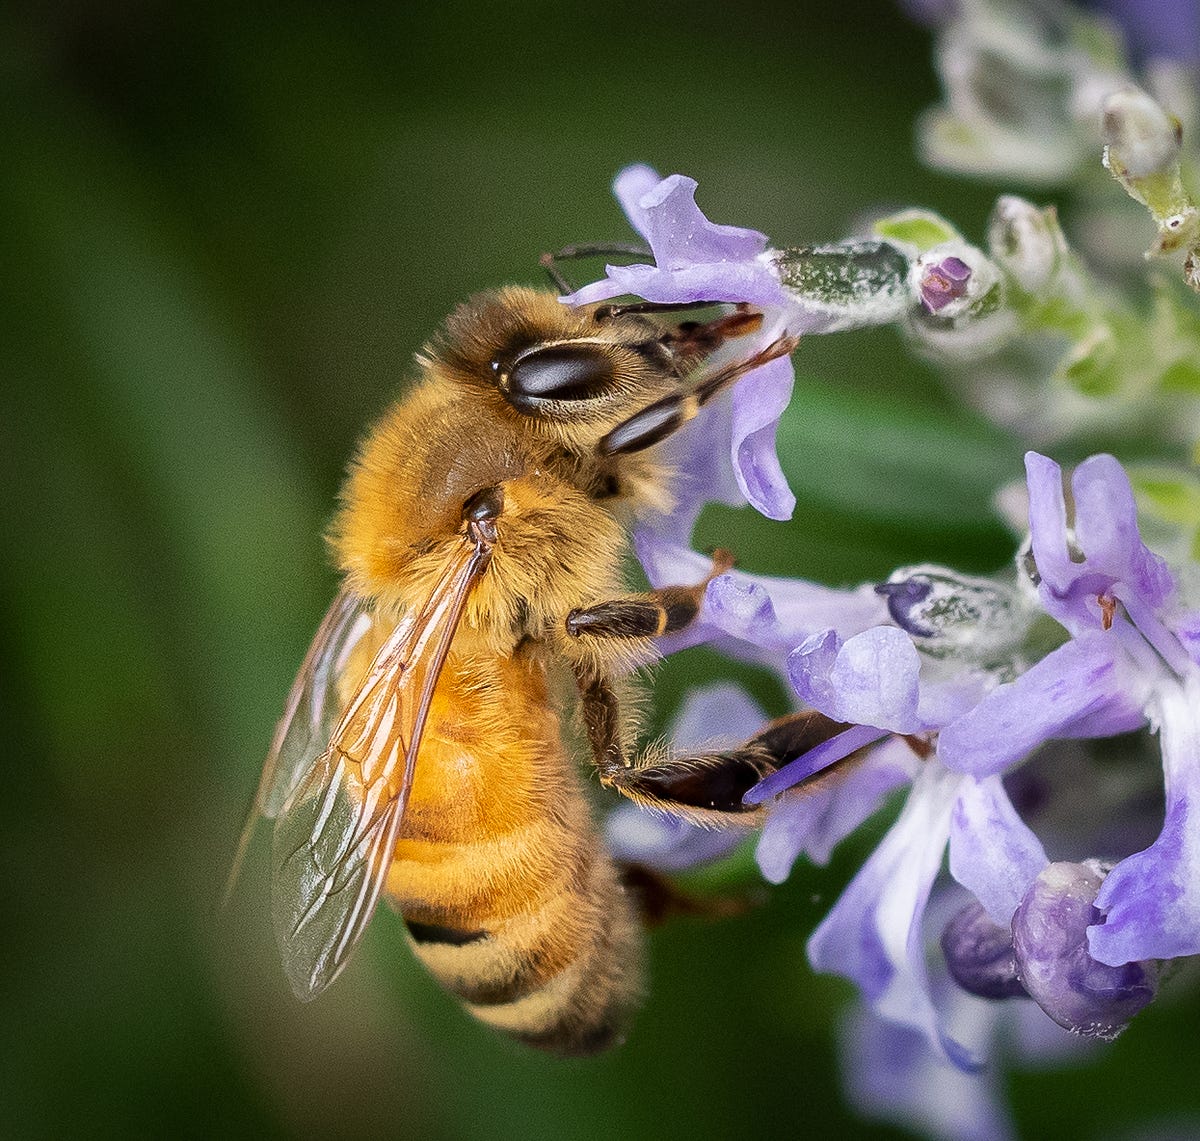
x,y
421,755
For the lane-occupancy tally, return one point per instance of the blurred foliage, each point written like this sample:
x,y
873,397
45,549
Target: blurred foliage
x,y
227,230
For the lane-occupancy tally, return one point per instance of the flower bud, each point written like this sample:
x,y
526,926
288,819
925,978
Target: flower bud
x,y
1026,241
1049,934
845,285
1141,138
980,956
952,615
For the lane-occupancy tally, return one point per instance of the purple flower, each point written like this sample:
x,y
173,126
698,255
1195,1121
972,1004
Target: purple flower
x,y
1128,662
798,291
697,260
1158,29
892,1073
1131,658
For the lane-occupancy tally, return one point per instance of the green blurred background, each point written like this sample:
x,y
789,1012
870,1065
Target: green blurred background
x,y
226,232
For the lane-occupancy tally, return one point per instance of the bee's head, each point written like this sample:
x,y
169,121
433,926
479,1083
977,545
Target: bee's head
x,y
568,376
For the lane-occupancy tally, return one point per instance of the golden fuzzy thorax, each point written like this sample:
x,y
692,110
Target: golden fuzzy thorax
x,y
498,836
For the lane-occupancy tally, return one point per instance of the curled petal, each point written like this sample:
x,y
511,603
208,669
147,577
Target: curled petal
x,y
1048,522
1077,690
695,259
1151,900
758,402
992,851
666,215
870,679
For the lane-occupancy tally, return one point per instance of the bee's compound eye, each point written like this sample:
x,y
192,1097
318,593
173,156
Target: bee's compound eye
x,y
580,371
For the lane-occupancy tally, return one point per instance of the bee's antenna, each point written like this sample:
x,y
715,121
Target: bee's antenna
x,y
549,261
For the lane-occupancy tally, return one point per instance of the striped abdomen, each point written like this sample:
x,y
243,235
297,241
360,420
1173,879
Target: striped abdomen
x,y
509,896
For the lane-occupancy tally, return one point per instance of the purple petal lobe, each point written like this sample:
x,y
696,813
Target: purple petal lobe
x,y
1151,900
874,936
1048,522
632,185
1106,529
871,679
980,956
1050,939
944,282
992,852
1069,689
678,232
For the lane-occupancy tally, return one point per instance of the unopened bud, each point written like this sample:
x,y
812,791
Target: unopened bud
x,y
979,954
1026,241
1049,932
1141,138
952,615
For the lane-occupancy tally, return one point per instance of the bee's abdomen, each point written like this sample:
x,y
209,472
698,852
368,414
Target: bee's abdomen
x,y
553,961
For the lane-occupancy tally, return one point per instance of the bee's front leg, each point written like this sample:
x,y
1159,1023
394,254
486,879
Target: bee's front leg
x,y
663,611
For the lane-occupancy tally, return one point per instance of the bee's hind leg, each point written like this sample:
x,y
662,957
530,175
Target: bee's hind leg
x,y
707,788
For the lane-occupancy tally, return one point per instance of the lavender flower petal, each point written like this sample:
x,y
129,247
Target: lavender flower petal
x,y
1048,523
824,755
1158,29
1107,530
1050,940
870,679
754,617
892,1075
1151,900
873,935
1078,688
664,212
695,259
993,853
758,402
666,843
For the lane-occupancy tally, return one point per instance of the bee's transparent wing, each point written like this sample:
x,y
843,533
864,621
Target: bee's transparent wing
x,y
313,709
336,833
